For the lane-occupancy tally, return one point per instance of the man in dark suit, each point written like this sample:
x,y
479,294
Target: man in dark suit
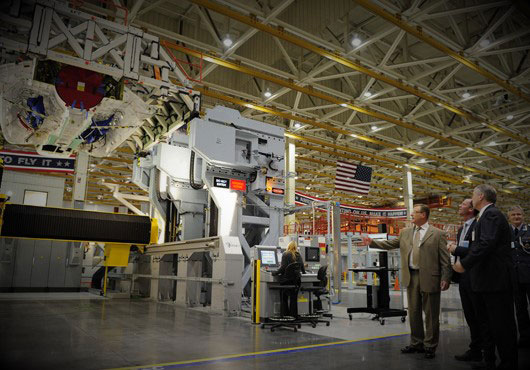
x,y
460,250
490,270
521,260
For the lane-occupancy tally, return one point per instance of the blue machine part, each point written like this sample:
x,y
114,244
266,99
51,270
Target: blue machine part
x,y
36,106
97,130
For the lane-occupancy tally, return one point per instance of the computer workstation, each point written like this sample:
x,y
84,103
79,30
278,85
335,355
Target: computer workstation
x,y
266,297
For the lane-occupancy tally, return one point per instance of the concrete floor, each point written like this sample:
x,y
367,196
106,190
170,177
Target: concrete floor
x,y
83,331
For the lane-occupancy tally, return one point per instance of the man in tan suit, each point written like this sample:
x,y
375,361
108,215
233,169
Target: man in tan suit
x,y
426,271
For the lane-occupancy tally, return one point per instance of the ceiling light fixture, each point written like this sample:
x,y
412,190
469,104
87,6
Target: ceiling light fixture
x,y
485,43
344,105
227,41
374,128
493,143
420,142
356,41
297,125
509,117
466,95
367,94
267,93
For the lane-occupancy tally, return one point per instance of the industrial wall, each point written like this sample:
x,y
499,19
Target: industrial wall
x,y
37,265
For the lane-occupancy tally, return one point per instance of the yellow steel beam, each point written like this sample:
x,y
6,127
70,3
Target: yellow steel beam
x,y
437,175
376,174
458,56
340,195
331,186
431,174
269,110
280,33
330,176
318,94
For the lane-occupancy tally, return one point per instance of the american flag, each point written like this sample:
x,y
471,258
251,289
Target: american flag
x,y
353,178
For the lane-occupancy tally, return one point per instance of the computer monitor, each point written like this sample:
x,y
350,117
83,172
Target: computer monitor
x,y
312,254
268,257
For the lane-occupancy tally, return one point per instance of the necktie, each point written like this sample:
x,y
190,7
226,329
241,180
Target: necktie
x,y
516,232
416,247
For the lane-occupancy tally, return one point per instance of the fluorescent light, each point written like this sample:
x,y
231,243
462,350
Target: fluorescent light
x,y
367,94
420,142
356,41
227,41
374,128
509,117
267,94
466,95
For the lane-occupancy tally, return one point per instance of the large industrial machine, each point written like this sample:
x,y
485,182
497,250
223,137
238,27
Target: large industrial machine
x,y
80,83
224,179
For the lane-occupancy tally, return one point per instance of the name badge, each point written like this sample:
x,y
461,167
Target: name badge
x,y
473,236
513,245
465,244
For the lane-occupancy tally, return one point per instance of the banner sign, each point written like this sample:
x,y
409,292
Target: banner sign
x,y
32,161
303,199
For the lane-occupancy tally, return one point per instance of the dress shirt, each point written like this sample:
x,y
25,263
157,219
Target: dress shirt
x,y
422,231
465,229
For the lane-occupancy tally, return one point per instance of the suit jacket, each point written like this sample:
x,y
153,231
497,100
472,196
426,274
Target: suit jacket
x,y
434,261
489,261
461,252
521,258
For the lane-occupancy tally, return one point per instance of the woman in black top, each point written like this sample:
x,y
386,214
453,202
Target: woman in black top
x,y
290,277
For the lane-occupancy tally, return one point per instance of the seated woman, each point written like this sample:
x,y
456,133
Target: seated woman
x,y
289,273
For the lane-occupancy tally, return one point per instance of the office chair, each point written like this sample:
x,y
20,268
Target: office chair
x,y
290,283
315,311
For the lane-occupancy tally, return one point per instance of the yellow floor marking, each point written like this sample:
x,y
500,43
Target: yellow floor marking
x,y
260,352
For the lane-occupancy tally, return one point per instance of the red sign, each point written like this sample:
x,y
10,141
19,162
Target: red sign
x,y
238,184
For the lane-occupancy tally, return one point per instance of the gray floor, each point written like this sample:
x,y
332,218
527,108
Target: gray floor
x,y
80,331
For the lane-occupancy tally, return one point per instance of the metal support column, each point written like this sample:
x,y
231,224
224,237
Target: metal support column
x,y
80,181
290,182
350,260
337,258
408,195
